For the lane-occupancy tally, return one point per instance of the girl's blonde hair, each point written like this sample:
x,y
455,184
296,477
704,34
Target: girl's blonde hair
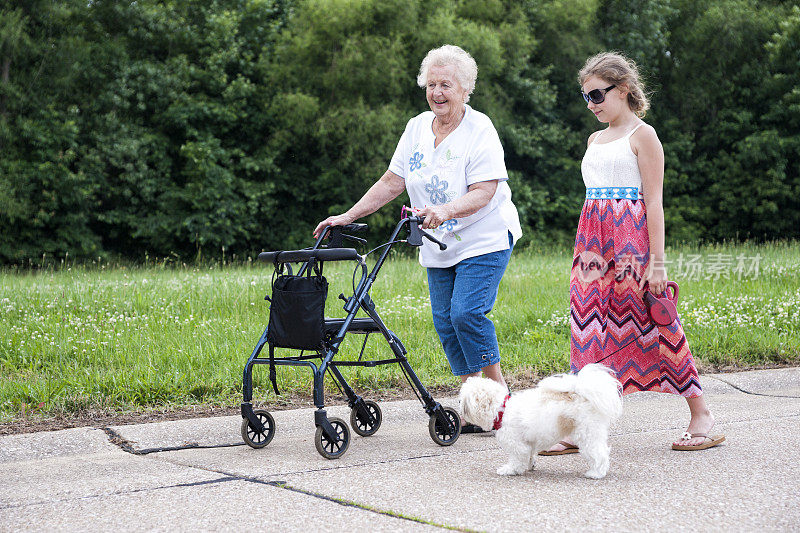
x,y
618,70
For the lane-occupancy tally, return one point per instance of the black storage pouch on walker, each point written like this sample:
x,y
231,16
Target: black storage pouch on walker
x,y
297,313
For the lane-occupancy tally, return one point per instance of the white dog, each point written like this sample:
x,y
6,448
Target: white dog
x,y
581,406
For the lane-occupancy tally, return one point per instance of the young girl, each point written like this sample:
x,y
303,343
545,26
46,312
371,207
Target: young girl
x,y
619,253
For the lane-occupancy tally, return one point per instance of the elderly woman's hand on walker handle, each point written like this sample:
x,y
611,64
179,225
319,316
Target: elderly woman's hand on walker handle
x,y
479,195
335,220
435,215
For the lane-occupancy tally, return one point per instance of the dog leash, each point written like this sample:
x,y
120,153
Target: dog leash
x,y
662,312
642,334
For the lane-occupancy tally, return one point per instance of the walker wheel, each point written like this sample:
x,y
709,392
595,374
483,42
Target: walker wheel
x,y
259,439
363,426
441,435
328,448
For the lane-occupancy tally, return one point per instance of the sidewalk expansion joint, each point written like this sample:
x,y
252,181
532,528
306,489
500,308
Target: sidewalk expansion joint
x,y
383,462
125,492
325,469
228,476
347,503
751,392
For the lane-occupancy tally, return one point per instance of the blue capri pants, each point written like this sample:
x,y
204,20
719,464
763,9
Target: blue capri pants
x,y
461,298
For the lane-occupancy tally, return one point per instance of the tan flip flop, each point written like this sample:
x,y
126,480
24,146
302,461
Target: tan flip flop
x,y
568,448
710,442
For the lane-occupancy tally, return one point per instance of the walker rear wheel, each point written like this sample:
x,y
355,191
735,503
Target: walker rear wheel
x,y
259,439
442,435
333,449
361,424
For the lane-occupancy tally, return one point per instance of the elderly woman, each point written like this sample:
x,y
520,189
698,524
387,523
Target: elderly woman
x,y
450,161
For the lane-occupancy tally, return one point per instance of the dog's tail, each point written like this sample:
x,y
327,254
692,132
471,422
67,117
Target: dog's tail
x,y
596,383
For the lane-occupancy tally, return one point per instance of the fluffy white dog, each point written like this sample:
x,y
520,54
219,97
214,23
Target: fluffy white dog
x,y
581,406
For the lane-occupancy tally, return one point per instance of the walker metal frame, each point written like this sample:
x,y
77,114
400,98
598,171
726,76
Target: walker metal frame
x,y
332,435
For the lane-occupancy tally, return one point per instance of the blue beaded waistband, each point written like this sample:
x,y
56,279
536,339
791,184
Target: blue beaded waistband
x,y
613,193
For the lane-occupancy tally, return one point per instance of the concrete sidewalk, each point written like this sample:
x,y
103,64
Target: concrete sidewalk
x,y
198,475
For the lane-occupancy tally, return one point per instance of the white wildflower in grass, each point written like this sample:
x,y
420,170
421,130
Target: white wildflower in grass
x,y
778,312
558,320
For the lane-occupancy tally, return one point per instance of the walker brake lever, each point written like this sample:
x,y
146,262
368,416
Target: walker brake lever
x,y
442,246
354,239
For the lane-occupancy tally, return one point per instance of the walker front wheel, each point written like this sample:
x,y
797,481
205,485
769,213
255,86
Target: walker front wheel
x,y
259,439
362,424
333,449
445,435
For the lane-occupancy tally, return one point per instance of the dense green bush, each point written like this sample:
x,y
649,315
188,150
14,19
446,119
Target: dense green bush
x,y
193,127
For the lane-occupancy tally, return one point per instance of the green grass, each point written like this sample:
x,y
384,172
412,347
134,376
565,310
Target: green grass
x,y
92,338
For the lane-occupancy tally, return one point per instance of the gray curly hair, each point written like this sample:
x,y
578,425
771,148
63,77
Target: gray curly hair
x,y
466,68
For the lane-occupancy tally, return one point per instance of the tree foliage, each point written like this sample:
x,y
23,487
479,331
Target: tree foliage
x,y
190,127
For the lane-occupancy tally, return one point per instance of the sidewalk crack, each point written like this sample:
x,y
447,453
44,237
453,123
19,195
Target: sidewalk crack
x,y
740,389
118,440
127,445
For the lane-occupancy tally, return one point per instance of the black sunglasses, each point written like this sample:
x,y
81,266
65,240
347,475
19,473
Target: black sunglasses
x,y
596,96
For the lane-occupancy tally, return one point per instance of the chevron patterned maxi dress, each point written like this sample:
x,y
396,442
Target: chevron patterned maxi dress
x,y
612,251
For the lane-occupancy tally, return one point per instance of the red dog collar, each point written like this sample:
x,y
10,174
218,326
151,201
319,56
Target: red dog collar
x,y
498,421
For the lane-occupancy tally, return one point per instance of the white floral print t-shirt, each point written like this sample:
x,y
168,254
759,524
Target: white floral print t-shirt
x,y
435,176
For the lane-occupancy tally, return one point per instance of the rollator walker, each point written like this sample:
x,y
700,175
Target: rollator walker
x,y
297,321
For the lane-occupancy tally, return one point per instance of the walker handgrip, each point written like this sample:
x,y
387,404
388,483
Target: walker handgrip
x,y
442,246
414,231
300,256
